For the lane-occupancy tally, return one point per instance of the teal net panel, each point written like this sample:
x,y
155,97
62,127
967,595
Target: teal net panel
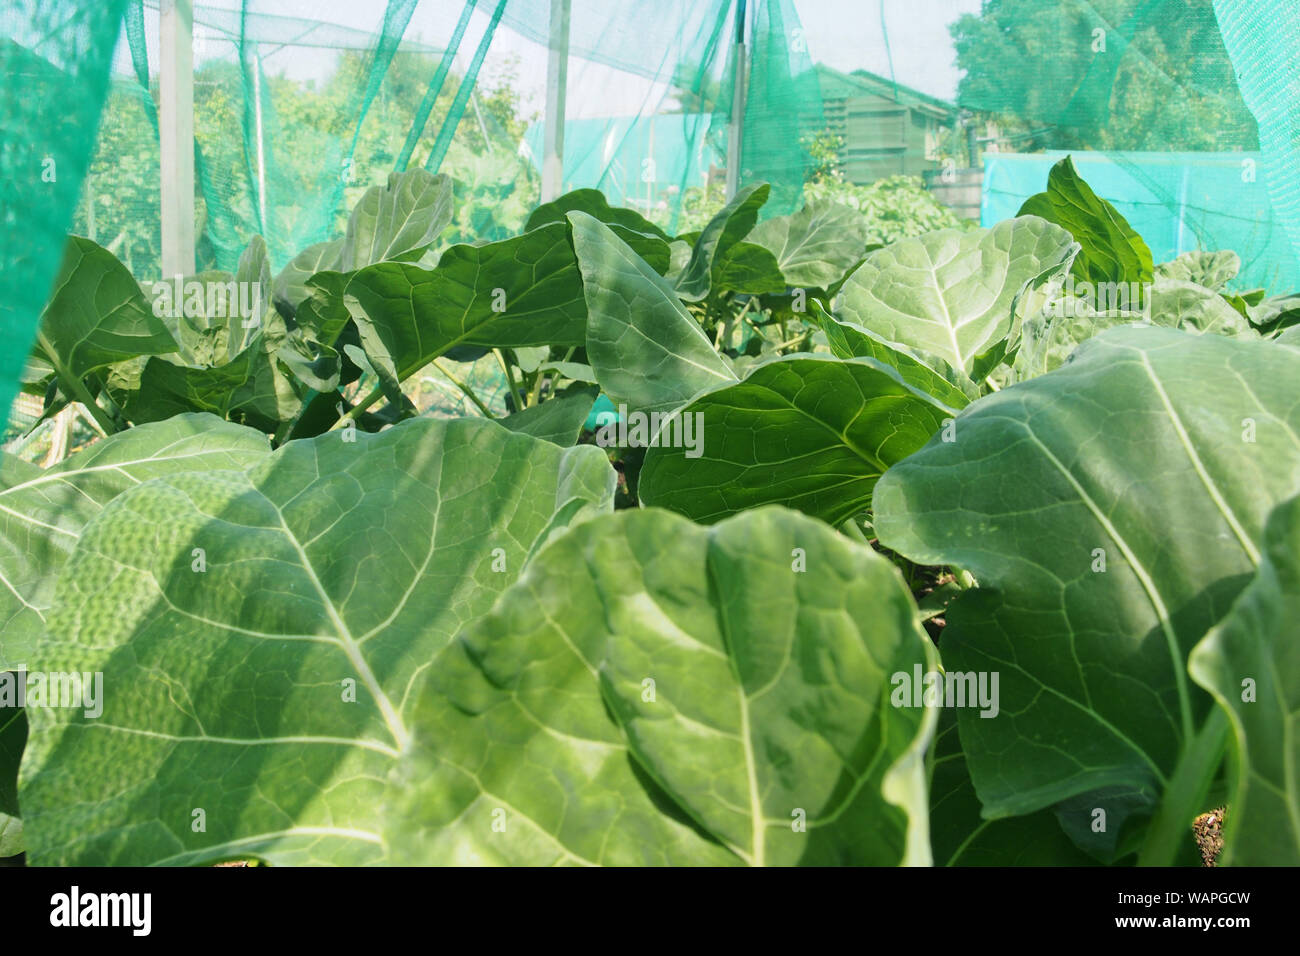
x,y
54,62
893,106
1223,201
298,108
1264,43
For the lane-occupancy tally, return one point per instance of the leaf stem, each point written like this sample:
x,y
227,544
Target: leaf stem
x,y
1186,793
798,339
469,392
510,379
964,579
536,392
76,387
358,409
851,529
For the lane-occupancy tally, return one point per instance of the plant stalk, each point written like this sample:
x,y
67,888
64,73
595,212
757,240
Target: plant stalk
x,y
76,387
851,529
468,392
510,379
1186,793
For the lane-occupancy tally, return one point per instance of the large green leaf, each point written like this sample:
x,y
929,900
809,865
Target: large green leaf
x,y
848,340
97,315
1048,338
1110,510
647,351
959,836
290,286
645,238
749,268
594,204
397,222
43,513
652,691
518,292
815,246
810,432
13,737
273,689
1250,662
558,419
1214,270
951,295
730,226
1111,250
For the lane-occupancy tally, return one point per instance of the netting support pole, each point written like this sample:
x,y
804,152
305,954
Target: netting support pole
x,y
557,77
739,80
176,135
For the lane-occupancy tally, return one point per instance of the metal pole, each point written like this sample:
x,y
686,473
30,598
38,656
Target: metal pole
x,y
739,80
557,75
261,143
176,135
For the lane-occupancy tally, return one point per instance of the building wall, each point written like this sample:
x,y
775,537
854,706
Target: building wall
x,y
881,137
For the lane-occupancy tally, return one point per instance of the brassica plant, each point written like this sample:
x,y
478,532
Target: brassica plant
x,y
979,547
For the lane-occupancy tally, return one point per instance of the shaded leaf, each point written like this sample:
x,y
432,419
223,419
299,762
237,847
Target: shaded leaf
x,y
43,512
749,268
275,689
770,706
808,432
646,350
960,837
1250,662
558,420
731,225
1110,510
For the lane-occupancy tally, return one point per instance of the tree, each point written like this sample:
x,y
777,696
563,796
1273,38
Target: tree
x,y
1103,74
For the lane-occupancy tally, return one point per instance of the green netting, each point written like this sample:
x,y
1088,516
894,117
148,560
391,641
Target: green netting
x,y
1265,49
1151,87
300,106
295,118
783,108
54,58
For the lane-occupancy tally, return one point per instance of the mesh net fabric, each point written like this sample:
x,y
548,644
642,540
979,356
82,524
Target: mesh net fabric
x,y
54,58
1179,111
